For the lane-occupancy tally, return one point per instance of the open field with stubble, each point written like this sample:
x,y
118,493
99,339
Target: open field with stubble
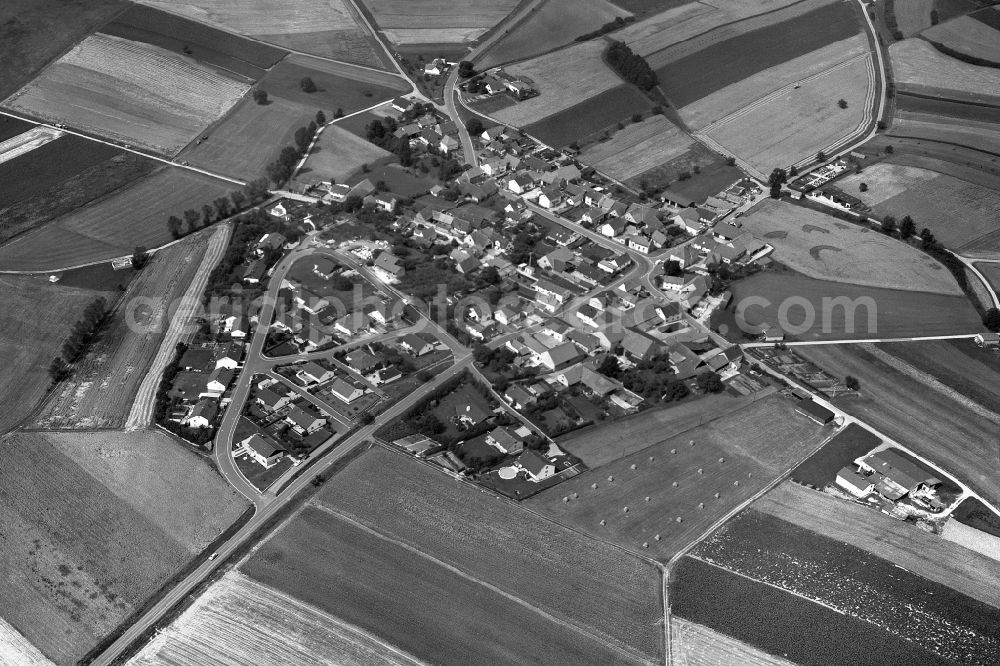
x,y
983,136
609,601
115,225
240,622
338,154
733,456
920,68
864,527
958,212
693,644
967,35
958,364
433,21
100,392
15,648
95,523
638,148
591,115
130,92
338,85
826,248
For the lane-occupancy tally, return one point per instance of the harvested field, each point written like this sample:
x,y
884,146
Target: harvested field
x,y
338,154
688,75
590,116
826,248
115,225
638,148
412,600
975,514
820,470
972,539
977,135
60,177
487,540
873,313
31,335
238,621
430,21
947,108
555,24
920,553
958,212
329,28
733,456
790,125
15,648
696,645
741,94
203,43
100,392
564,79
338,85
35,32
967,35
130,92
920,68
912,16
928,422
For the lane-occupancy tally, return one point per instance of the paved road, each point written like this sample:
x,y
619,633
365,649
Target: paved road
x,y
970,264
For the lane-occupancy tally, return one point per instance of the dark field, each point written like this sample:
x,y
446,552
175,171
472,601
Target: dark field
x,y
989,16
450,51
781,623
10,127
822,467
958,364
397,179
335,86
948,9
61,176
702,73
34,32
973,513
714,177
494,103
209,45
649,6
587,117
948,107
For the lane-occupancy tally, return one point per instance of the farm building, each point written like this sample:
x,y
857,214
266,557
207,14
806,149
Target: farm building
x,y
815,412
855,482
266,453
898,476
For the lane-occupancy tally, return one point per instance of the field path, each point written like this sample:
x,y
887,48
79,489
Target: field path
x,y
142,409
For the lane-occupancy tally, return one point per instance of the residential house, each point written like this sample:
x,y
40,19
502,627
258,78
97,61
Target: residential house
x,y
255,271
639,347
725,232
361,361
382,201
534,466
614,264
519,397
590,315
344,391
640,243
550,197
271,399
520,183
559,356
352,324
402,104
505,441
416,345
670,313
688,220
613,227
304,421
268,242
389,264
381,313
384,376
265,452
218,382
312,372
856,483
448,144
202,415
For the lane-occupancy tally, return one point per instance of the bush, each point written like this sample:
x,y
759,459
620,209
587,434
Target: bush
x,y
260,96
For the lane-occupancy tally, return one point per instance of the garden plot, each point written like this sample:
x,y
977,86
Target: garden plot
x,y
824,247
967,35
437,21
920,68
130,92
638,148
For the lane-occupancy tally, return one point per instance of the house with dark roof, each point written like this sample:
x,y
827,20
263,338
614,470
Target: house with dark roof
x,y
559,356
534,466
312,372
344,391
640,347
505,441
264,451
519,397
361,361
271,399
416,345
304,421
898,475
202,415
814,411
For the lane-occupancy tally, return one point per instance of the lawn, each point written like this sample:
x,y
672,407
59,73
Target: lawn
x,y
809,309
826,248
115,225
967,35
129,92
592,115
238,620
958,212
938,619
820,470
992,273
398,180
697,74
610,598
34,32
920,68
432,21
638,148
338,154
679,476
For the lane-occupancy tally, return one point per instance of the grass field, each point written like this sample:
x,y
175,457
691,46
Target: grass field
x,y
100,392
790,125
696,645
737,455
820,469
238,620
890,313
338,154
978,135
399,180
713,176
958,212
920,68
30,37
606,597
638,148
130,92
433,21
338,85
825,248
927,421
115,225
967,35
686,77
738,95
992,273
97,522
923,554
62,176
589,116
329,28
912,16
556,23
11,127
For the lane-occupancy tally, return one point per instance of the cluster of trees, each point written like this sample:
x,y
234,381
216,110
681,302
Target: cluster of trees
x,y
79,339
380,132
653,379
237,201
280,170
250,226
631,66
610,26
466,69
906,228
495,360
777,178
991,320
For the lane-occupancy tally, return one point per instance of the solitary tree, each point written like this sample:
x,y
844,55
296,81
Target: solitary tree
x,y
140,257
339,113
174,225
673,268
889,150
730,161
465,69
927,239
793,171
260,96
852,382
888,225
907,227
710,382
842,103
863,187
239,199
821,156
320,118
307,85
777,178
474,126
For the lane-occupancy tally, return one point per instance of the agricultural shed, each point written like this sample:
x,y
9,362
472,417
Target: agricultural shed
x,y
815,411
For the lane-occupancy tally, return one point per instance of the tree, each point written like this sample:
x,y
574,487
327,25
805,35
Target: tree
x,y
58,369
889,150
793,171
222,207
991,320
320,118
730,161
842,103
927,239
881,125
636,117
174,225
140,257
207,215
260,96
307,85
710,382
821,156
935,18
474,126
673,268
852,382
466,69
907,227
302,138
366,418
239,199
863,187
777,178
339,113
888,225
257,190
191,217
630,66
610,367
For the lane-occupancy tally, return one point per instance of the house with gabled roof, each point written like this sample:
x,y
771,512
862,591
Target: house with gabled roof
x,y
505,441
559,356
534,466
390,264
416,345
203,414
344,391
265,452
304,421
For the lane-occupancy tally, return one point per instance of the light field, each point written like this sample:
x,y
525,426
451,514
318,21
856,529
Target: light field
x,y
967,35
15,648
240,622
721,103
972,539
131,92
564,78
964,132
338,154
793,124
956,211
437,21
638,148
919,67
27,142
694,644
825,248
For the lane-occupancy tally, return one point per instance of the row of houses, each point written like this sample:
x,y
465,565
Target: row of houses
x,y
205,373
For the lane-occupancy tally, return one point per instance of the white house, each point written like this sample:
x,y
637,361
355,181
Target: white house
x,y
265,453
535,466
345,392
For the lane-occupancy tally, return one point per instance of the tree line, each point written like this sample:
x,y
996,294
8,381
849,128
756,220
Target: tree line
x,y
221,208
280,170
80,337
610,26
630,66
